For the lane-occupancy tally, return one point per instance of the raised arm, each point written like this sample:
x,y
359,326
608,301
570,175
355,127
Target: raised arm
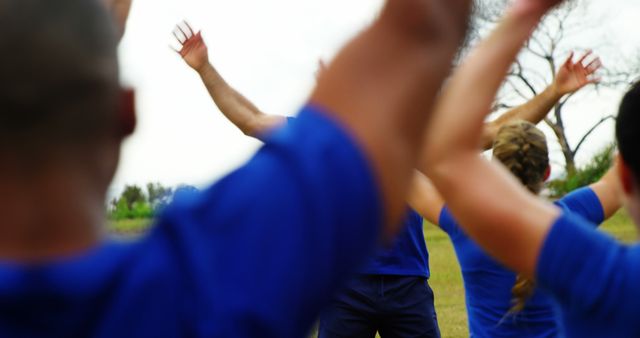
x,y
570,78
382,87
609,191
492,207
240,111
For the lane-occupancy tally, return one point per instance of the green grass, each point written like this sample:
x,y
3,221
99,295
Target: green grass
x,y
446,279
129,226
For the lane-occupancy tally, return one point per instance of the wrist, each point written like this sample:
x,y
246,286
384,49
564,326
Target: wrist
x,y
204,69
555,90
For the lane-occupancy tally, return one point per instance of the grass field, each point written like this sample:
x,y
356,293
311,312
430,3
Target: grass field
x,y
129,226
446,279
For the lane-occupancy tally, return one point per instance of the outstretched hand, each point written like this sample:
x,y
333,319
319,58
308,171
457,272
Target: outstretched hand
x,y
194,51
573,76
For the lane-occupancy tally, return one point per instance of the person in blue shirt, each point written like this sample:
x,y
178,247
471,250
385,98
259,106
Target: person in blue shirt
x,y
227,262
391,294
398,273
591,278
499,303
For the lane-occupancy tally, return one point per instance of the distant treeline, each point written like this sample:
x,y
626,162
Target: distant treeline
x,y
137,202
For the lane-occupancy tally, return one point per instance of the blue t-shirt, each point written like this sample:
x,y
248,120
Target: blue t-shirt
x,y
488,284
593,279
257,255
408,256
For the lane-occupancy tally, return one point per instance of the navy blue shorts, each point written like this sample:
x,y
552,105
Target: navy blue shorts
x,y
394,306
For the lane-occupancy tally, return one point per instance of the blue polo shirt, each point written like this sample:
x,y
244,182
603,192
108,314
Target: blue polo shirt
x,y
593,278
407,256
259,254
488,284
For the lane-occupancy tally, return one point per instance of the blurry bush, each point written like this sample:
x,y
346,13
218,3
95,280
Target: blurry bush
x,y
135,203
586,175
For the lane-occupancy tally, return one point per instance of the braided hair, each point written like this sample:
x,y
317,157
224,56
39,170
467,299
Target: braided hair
x,y
522,148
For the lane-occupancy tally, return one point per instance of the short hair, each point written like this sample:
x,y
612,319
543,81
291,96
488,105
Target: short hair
x,y
628,129
58,74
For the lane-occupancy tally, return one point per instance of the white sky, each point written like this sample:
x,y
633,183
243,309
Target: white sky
x,y
268,50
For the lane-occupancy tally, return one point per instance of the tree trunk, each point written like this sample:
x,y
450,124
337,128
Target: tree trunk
x,y
558,130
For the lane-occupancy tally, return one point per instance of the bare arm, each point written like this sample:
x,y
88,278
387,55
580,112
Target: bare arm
x,y
570,78
609,191
235,107
382,86
425,199
492,207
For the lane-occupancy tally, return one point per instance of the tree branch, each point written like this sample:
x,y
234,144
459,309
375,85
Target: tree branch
x,y
588,133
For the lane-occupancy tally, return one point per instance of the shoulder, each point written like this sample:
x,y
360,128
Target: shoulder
x,y
585,203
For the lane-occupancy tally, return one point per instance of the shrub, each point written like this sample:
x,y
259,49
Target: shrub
x,y
590,173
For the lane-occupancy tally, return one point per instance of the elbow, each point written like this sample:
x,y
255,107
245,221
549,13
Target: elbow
x,y
445,169
252,128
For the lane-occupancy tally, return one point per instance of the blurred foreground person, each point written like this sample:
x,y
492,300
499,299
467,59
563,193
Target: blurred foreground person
x,y
592,278
228,262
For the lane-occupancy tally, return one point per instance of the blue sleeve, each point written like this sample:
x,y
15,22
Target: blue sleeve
x,y
448,223
590,274
583,202
265,248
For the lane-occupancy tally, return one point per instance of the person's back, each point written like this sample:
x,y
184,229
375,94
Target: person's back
x,y
488,295
489,285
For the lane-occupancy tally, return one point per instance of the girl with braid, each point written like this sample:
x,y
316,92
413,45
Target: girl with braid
x,y
499,302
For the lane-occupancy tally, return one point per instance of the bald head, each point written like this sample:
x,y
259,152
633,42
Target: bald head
x,y
58,75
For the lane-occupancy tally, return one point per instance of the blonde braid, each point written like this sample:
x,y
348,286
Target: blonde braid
x,y
522,148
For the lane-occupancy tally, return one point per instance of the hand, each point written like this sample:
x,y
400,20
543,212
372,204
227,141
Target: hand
x,y
194,50
572,77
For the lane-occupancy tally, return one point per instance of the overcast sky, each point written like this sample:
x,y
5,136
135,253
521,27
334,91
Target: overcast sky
x,y
268,50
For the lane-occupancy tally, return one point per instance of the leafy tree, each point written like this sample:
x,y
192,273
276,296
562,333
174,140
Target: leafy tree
x,y
158,195
590,173
121,210
133,194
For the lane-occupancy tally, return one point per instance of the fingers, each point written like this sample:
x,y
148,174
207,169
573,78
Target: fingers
x,y
183,34
188,27
569,60
175,49
182,39
585,56
594,65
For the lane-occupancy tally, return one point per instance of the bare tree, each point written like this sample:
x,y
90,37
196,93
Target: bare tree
x,y
536,67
